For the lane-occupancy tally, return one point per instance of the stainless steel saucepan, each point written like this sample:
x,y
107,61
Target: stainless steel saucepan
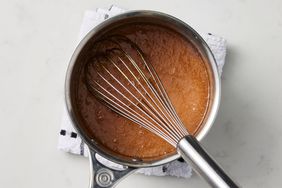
x,y
101,175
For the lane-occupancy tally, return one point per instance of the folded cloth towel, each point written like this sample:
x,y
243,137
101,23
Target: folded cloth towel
x,y
70,142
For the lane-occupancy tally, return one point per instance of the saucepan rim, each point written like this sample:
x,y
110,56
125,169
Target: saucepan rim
x,y
154,14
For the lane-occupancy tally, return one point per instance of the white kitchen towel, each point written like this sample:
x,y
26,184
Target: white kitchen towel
x,y
70,142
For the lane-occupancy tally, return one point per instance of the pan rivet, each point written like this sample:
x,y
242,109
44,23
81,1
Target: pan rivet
x,y
104,177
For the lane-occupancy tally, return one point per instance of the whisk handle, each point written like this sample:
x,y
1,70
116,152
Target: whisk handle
x,y
193,153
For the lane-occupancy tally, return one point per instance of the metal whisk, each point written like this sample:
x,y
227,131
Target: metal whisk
x,y
119,75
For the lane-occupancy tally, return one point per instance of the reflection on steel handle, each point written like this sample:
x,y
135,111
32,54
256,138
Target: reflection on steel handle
x,y
193,153
102,176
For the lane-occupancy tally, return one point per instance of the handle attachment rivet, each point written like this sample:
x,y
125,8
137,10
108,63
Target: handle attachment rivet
x,y
104,177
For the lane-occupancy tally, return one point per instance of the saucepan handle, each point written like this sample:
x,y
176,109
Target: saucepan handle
x,y
194,154
102,176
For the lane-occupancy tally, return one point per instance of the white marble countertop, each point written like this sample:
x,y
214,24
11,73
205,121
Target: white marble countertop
x,y
37,39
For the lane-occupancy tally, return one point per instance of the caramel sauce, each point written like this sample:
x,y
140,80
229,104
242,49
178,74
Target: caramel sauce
x,y
184,76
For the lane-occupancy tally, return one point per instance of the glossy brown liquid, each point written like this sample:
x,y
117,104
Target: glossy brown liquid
x,y
184,76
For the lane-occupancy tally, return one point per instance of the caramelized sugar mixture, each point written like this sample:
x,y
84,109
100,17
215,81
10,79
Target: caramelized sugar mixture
x,y
184,76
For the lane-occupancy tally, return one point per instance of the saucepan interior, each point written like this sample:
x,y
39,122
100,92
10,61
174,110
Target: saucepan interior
x,y
79,58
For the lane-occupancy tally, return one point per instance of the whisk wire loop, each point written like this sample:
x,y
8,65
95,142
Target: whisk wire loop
x,y
129,85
